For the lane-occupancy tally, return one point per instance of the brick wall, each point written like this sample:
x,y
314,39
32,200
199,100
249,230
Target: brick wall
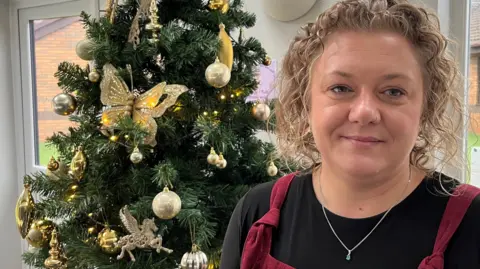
x,y
50,50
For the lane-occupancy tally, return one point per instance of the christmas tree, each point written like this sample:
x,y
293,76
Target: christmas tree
x,y
164,144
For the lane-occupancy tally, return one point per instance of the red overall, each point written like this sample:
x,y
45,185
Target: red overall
x,y
256,252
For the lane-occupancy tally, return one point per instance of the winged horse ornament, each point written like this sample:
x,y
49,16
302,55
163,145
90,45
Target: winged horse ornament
x,y
141,237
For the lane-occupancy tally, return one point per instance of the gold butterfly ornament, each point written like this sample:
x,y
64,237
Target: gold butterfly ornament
x,y
121,102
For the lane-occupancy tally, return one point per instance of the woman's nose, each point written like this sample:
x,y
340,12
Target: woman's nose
x,y
364,109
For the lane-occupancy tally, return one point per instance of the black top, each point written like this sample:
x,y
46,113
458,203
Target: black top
x,y
404,238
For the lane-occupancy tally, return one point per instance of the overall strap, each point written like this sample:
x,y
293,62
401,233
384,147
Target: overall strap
x,y
258,242
456,208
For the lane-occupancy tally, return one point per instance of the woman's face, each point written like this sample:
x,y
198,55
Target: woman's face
x,y
366,101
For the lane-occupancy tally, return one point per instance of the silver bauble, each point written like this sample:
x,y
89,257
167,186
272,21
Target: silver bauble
x,y
136,156
261,111
64,104
167,204
84,49
218,74
195,259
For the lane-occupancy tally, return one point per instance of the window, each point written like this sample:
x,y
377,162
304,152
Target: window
x,y
54,42
47,36
473,135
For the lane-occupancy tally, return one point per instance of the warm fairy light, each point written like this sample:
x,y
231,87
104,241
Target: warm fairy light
x,y
113,138
215,112
205,113
235,109
91,230
90,215
127,136
178,107
71,198
232,96
223,97
74,187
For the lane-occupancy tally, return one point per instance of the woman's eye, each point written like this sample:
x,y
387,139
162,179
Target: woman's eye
x,y
394,92
340,89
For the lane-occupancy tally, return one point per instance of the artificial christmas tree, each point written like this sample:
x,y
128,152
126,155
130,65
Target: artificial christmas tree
x,y
165,143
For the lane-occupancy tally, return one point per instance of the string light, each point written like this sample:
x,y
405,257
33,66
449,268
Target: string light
x,y
205,113
232,96
113,138
215,113
223,97
127,136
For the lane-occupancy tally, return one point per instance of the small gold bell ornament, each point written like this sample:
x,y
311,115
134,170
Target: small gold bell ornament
x,y
167,204
40,233
195,259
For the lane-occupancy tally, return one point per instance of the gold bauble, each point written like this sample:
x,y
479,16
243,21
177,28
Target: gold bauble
x,y
195,259
212,157
167,204
24,211
84,49
107,240
261,111
272,170
221,163
218,74
94,76
136,156
56,170
267,61
64,104
40,233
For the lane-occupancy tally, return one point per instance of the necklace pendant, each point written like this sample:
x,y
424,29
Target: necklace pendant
x,y
349,257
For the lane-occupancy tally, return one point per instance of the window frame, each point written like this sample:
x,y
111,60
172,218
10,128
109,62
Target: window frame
x,y
24,98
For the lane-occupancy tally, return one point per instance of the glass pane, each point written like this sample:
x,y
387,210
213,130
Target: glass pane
x,y
474,95
54,41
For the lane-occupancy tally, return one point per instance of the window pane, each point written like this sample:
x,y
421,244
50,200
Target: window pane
x,y
474,95
54,41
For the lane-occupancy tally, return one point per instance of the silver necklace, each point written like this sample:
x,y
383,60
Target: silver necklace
x,y
349,251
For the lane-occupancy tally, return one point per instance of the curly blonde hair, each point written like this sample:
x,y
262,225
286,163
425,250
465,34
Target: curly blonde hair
x,y
438,127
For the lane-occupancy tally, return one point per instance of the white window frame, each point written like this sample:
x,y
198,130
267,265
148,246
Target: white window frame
x,y
22,11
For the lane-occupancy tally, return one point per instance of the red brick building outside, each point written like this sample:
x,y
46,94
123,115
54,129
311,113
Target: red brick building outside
x,y
55,42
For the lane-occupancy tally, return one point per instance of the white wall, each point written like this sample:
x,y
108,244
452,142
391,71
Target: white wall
x,y
10,248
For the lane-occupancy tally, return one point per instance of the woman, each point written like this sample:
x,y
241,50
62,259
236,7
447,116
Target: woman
x,y
363,96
